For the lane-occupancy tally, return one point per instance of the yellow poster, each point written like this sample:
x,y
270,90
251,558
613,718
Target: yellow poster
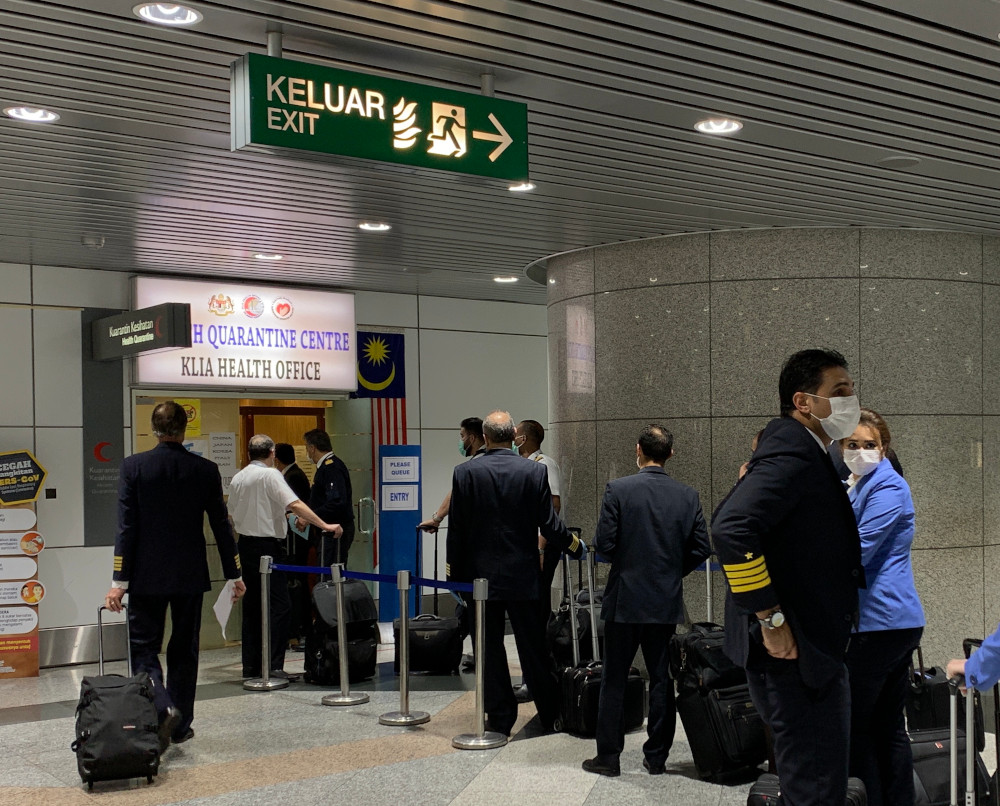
x,y
193,408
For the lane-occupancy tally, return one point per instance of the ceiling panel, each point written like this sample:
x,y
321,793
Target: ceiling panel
x,y
140,159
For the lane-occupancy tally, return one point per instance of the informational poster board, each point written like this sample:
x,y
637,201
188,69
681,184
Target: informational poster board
x,y
20,593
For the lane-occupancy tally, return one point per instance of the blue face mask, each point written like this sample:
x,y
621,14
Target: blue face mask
x,y
461,448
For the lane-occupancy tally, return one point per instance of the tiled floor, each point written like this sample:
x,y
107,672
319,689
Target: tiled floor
x,y
286,747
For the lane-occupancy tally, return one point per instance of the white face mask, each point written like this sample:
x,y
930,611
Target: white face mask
x,y
845,414
862,462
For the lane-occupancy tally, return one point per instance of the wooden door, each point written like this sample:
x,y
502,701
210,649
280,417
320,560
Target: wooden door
x,y
282,425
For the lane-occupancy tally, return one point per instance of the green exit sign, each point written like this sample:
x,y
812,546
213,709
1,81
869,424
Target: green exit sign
x,y
289,104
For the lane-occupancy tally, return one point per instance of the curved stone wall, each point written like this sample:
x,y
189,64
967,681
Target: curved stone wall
x,y
691,330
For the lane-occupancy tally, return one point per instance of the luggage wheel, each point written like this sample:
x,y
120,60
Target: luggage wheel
x,y
557,724
90,786
149,779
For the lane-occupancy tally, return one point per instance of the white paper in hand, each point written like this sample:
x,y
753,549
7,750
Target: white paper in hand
x,y
224,605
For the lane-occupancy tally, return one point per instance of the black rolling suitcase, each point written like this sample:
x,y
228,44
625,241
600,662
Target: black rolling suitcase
x,y
935,773
322,655
116,723
435,642
560,630
580,684
726,734
928,701
766,791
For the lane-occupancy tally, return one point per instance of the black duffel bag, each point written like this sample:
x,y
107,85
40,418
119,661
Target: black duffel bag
x,y
559,634
698,662
435,644
322,657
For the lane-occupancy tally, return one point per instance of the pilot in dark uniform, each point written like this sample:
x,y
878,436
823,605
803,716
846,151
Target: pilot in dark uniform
x,y
498,505
161,559
789,546
331,497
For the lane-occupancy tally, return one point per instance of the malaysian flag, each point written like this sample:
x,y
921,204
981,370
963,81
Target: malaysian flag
x,y
382,377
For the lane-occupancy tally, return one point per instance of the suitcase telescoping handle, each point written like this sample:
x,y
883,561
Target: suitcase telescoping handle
x,y
967,646
592,607
574,636
100,640
970,745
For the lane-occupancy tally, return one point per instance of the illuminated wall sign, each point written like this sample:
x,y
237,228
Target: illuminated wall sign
x,y
279,102
254,337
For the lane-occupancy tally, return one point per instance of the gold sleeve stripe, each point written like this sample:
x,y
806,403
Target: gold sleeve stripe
x,y
737,575
753,584
574,545
750,579
118,563
730,568
447,569
238,566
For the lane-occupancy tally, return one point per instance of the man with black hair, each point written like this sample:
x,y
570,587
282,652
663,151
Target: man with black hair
x,y
258,499
161,560
653,531
471,445
331,496
788,542
498,505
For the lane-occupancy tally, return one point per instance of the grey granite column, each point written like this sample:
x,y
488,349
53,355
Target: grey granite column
x,y
691,331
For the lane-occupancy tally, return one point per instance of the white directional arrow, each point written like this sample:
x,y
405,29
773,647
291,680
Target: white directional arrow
x,y
501,137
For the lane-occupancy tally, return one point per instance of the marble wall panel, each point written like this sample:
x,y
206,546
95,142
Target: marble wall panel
x,y
572,360
767,253
731,438
926,254
574,447
942,460
921,346
573,274
651,262
757,325
991,591
691,463
991,349
991,259
991,483
653,352
950,584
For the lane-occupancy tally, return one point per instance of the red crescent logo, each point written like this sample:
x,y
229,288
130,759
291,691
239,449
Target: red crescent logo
x,y
156,327
98,448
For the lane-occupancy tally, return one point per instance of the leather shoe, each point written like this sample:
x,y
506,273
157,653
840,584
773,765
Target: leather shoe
x,y
281,674
595,765
171,719
188,734
654,769
522,693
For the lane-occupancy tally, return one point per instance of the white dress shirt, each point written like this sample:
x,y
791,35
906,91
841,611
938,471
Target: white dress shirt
x,y
258,498
555,480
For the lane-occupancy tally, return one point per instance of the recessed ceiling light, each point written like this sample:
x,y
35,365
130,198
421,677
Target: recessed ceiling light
x,y
266,256
167,14
718,126
521,187
374,226
504,279
31,114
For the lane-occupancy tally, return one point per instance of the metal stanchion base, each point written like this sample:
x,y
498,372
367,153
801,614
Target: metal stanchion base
x,y
400,720
471,741
345,699
260,684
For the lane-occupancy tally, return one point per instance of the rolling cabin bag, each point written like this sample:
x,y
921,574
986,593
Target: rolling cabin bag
x,y
580,684
322,655
928,701
766,791
935,772
435,642
116,723
725,731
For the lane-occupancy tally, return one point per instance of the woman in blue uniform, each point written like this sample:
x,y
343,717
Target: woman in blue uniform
x,y
891,619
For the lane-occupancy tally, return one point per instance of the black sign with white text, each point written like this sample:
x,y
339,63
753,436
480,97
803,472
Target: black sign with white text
x,y
161,327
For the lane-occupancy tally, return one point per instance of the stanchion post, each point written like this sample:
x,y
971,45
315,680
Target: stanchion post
x,y
403,717
265,682
345,697
481,739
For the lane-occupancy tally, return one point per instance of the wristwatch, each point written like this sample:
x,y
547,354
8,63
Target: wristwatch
x,y
772,622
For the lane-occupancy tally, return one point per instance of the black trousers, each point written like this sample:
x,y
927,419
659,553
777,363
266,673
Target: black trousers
x,y
620,644
334,544
300,620
811,730
529,635
878,664
251,550
146,618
